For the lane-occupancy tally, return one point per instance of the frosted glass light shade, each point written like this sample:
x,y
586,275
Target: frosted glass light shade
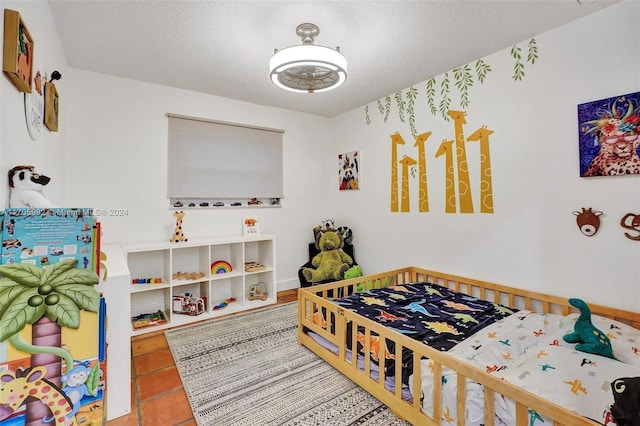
x,y
308,68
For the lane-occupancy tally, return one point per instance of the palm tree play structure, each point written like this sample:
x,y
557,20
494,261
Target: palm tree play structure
x,y
47,298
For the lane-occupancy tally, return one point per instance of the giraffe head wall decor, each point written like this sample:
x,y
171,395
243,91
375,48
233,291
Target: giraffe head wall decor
x,y
588,221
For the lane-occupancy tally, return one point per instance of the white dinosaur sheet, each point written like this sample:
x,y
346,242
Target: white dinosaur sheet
x,y
527,349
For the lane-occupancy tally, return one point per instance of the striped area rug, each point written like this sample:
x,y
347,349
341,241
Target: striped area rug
x,y
248,369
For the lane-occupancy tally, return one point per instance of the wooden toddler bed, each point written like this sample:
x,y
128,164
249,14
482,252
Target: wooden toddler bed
x,y
413,388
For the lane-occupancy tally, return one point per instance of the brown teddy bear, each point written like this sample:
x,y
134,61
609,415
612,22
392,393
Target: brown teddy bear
x,y
331,262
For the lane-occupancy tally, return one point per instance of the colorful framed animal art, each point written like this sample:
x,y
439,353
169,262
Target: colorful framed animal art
x,y
17,57
609,132
51,106
349,170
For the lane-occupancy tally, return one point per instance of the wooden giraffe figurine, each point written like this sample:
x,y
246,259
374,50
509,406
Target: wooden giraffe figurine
x,y
18,386
449,179
404,192
486,189
464,185
423,193
178,235
396,140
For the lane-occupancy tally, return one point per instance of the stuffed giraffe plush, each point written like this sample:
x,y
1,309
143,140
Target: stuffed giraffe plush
x,y
178,235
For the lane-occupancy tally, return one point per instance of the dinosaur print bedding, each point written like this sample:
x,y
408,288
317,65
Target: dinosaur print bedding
x,y
527,349
430,313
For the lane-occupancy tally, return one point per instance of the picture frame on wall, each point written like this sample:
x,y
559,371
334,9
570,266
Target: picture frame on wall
x,y
608,136
349,170
51,107
17,56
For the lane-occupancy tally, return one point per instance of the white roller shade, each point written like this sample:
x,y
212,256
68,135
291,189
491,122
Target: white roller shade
x,y
213,159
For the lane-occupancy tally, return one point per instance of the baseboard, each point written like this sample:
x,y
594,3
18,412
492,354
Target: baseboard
x,y
288,284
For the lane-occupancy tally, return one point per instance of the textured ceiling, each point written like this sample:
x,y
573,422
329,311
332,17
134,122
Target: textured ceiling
x,y
223,47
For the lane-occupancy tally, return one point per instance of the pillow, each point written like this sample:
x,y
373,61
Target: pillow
x,y
625,340
578,382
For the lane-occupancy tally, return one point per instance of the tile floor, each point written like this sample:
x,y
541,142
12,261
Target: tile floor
x,y
157,396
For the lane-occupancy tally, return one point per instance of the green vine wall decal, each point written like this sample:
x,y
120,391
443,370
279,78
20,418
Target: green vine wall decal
x,y
518,67
446,100
533,51
387,106
482,69
463,80
401,105
411,95
431,93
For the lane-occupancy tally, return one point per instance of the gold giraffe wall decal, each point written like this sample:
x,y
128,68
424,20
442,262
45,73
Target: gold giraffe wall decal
x,y
406,162
486,191
396,140
446,148
464,185
423,193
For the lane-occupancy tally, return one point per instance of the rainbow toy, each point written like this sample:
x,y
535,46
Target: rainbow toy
x,y
221,267
225,303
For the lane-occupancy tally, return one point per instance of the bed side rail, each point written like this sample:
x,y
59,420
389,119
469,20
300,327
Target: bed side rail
x,y
317,313
518,298
374,337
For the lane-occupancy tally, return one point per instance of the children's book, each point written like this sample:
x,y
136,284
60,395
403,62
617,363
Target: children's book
x,y
46,236
250,226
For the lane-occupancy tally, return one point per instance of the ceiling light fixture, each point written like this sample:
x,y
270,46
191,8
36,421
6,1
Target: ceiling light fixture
x,y
308,68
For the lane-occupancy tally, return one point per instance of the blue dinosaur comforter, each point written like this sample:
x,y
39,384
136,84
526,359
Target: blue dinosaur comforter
x,y
430,313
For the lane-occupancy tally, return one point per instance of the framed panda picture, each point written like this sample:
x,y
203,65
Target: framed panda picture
x,y
349,170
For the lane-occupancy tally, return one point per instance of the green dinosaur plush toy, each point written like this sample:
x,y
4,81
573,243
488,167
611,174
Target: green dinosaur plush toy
x,y
353,272
332,262
588,338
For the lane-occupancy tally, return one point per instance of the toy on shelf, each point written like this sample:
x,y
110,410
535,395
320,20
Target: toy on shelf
x,y
189,304
187,275
27,188
148,320
254,267
178,235
258,291
224,304
146,281
221,267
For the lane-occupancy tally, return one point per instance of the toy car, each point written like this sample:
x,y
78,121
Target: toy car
x,y
236,204
56,251
205,204
218,204
254,201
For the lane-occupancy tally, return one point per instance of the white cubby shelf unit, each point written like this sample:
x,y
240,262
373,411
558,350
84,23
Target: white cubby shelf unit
x,y
162,260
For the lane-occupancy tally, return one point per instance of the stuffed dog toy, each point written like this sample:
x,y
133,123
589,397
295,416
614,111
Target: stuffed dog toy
x,y
27,188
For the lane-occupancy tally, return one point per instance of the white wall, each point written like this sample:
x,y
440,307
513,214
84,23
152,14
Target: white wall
x,y
532,239
110,153
117,155
16,146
